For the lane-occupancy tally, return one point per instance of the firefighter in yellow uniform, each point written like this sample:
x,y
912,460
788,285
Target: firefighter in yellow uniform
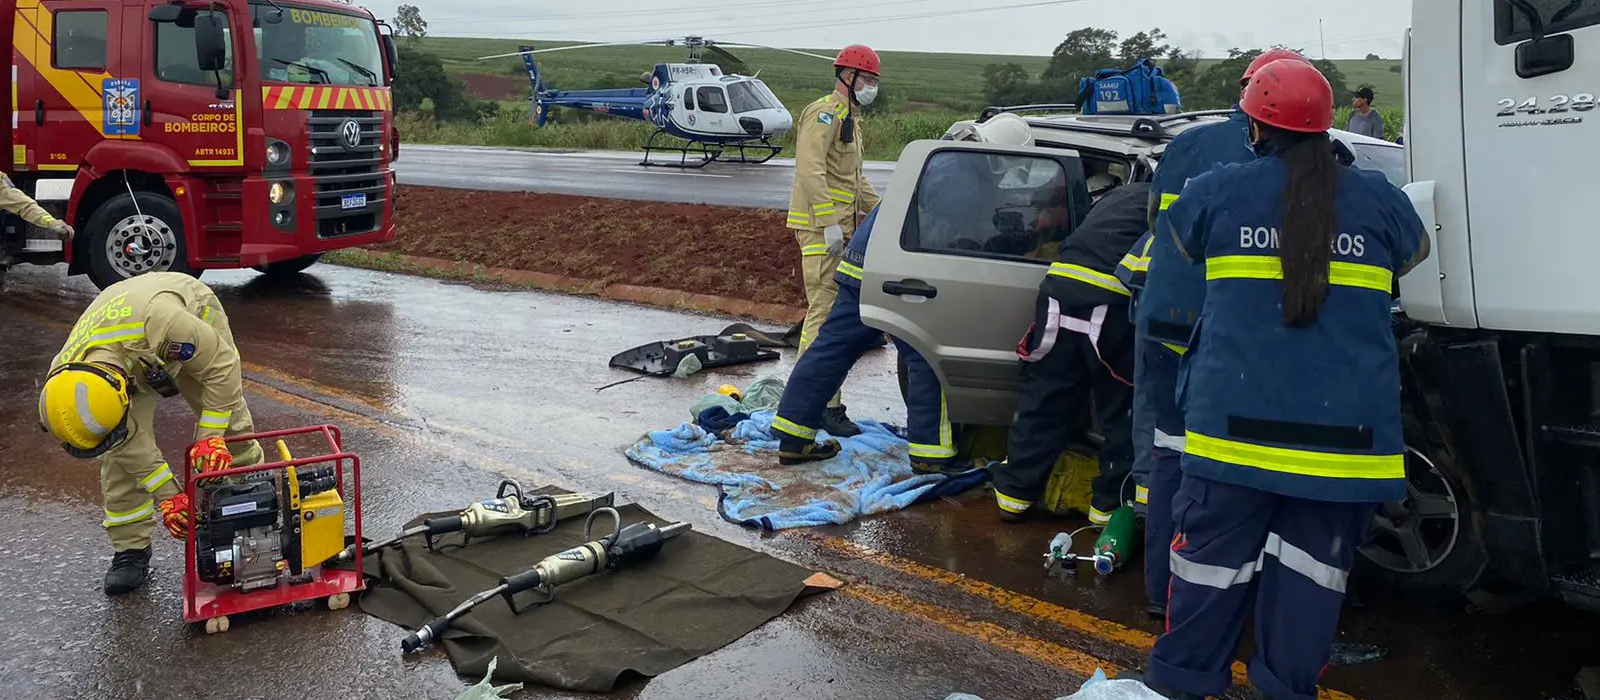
x,y
156,335
830,194
15,201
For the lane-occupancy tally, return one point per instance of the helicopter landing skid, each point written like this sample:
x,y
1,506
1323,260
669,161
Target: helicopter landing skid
x,y
764,151
704,152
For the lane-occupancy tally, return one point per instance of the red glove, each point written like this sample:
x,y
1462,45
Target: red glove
x,y
210,455
175,515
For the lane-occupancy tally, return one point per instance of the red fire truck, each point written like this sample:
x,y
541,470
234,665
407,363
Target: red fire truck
x,y
192,135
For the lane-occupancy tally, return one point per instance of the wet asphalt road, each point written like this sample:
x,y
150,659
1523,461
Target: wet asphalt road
x,y
444,389
606,174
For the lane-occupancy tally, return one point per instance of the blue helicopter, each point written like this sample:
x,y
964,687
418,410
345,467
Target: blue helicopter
x,y
728,117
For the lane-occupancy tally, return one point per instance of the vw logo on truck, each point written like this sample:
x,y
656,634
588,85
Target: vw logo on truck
x,y
350,134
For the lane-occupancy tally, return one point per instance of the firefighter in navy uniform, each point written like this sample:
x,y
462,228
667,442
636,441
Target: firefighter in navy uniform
x,y
1080,345
1164,319
843,338
830,194
1291,394
1131,272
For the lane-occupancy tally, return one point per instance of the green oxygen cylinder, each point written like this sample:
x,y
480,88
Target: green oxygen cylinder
x,y
1111,549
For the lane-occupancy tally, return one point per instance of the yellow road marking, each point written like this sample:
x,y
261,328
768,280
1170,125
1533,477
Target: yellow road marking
x,y
1049,653
1019,603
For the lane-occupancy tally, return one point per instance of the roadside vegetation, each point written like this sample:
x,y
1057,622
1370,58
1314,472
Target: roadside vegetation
x,y
444,95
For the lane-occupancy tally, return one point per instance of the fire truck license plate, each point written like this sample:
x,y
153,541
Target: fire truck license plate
x,y
353,201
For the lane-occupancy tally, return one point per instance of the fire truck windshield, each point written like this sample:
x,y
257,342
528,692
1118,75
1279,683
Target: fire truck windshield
x,y
316,47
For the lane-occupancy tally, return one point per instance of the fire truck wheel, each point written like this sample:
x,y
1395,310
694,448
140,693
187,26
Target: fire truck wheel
x,y
288,268
126,238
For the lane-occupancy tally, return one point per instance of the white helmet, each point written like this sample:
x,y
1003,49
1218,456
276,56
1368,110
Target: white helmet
x,y
1006,129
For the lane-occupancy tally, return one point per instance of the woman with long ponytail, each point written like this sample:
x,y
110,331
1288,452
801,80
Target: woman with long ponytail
x,y
1290,390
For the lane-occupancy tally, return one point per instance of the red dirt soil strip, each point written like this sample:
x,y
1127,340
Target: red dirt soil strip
x,y
495,87
722,251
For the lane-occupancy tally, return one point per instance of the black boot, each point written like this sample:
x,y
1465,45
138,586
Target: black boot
x,y
798,451
838,423
128,571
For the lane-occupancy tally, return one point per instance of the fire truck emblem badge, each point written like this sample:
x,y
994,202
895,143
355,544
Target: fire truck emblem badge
x,y
121,107
350,134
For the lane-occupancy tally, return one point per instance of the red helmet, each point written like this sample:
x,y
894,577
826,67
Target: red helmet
x,y
1269,56
859,57
1291,95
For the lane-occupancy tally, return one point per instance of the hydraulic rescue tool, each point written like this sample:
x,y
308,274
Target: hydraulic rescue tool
x,y
1110,548
624,546
510,510
260,536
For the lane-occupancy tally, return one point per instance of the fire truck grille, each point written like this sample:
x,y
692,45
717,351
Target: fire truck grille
x,y
346,162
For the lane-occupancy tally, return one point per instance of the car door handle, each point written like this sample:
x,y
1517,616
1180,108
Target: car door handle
x,y
147,117
916,288
38,112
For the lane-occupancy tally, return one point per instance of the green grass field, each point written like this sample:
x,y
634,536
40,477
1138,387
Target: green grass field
x,y
925,91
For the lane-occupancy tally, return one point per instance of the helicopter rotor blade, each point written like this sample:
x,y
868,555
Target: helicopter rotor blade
x,y
778,48
662,42
735,65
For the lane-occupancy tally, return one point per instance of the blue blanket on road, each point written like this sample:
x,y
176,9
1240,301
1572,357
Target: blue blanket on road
x,y
872,474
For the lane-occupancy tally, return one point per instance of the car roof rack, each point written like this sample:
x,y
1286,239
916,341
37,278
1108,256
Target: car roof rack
x,y
1152,127
989,112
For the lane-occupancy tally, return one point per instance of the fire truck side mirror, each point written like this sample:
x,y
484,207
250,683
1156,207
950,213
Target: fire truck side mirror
x,y
165,13
390,51
209,43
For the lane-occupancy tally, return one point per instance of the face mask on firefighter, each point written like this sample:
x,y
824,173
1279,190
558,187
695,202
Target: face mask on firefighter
x,y
865,87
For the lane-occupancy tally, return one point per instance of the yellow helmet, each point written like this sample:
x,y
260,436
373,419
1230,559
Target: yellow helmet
x,y
85,405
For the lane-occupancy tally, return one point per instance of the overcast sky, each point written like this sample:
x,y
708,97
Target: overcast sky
x,y
1350,28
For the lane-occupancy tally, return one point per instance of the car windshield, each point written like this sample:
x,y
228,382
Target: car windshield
x,y
317,47
745,97
1389,160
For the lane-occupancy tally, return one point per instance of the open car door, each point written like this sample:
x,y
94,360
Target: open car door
x,y
963,237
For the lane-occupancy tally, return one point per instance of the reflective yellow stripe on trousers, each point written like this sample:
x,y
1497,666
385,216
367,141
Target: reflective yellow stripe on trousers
x,y
1303,462
1269,267
140,514
785,425
1091,277
946,447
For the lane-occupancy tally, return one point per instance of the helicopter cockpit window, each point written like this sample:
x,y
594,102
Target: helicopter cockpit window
x,y
712,100
767,98
745,98
990,205
688,98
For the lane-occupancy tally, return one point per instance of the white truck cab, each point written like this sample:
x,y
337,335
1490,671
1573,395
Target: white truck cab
x,y
1503,345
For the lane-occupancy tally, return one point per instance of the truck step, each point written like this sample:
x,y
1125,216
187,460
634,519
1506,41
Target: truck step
x,y
1580,587
1584,434
42,245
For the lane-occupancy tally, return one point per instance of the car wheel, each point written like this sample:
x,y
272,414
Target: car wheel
x,y
288,268
129,237
1427,542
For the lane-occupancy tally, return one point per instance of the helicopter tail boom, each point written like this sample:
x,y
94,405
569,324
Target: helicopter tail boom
x,y
538,113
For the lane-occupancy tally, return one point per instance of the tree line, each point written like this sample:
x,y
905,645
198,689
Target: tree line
x,y
422,76
1090,49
